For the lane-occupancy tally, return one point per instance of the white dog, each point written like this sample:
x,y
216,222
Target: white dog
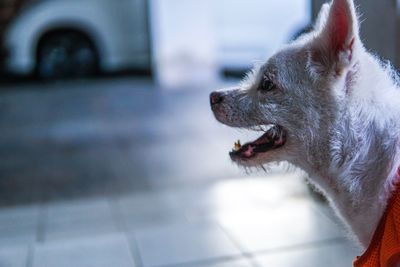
x,y
325,104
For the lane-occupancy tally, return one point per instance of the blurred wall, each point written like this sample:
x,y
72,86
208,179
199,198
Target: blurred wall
x,y
379,28
194,41
184,48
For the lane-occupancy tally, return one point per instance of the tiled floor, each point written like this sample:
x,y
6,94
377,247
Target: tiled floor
x,y
117,173
249,222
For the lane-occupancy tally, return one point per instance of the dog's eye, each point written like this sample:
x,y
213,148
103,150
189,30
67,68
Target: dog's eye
x,y
266,85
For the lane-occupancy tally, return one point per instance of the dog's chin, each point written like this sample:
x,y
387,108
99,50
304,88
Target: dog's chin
x,y
260,151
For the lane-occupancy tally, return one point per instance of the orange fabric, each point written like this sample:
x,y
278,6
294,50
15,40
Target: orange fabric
x,y
384,250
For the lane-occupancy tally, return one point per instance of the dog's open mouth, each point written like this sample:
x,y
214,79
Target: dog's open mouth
x,y
273,138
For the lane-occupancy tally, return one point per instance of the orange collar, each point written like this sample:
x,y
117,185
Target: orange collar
x,y
384,250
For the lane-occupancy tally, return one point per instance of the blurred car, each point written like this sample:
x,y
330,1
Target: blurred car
x,y
59,38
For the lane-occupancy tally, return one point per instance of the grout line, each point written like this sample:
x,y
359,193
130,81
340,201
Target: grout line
x,y
116,214
41,224
134,248
123,228
323,243
242,250
205,262
30,256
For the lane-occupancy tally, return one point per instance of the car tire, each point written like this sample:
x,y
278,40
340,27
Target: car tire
x,y
66,55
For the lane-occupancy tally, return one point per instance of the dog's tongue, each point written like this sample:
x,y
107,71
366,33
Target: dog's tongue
x,y
249,152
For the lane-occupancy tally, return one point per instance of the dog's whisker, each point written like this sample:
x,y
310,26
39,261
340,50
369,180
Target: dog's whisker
x,y
262,167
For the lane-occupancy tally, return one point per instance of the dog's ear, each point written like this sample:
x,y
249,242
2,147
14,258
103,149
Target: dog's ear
x,y
322,17
337,35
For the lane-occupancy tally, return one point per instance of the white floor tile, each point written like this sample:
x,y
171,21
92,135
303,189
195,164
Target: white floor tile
x,y
145,210
290,224
244,195
18,235
183,243
77,219
102,251
13,257
18,225
66,210
19,216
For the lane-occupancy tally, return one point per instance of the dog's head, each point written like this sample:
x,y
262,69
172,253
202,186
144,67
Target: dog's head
x,y
294,97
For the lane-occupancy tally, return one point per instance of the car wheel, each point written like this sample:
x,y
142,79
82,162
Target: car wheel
x,y
66,55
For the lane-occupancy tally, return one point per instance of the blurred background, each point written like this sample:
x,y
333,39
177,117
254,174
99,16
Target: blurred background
x,y
110,155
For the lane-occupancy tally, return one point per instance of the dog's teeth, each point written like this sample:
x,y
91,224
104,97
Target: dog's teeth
x,y
237,146
274,134
265,128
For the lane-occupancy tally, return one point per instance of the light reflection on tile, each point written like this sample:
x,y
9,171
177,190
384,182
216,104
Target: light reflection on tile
x,y
291,224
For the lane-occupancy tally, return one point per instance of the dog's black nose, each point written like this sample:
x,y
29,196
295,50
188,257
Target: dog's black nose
x,y
216,98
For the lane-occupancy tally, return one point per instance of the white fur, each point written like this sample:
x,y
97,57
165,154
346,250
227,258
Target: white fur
x,y
341,111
